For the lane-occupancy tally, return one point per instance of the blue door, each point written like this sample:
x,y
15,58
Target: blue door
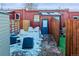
x,y
44,29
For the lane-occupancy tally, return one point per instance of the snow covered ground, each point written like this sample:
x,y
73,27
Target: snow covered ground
x,y
16,49
43,45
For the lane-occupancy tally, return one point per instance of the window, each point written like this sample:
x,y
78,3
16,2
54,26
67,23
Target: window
x,y
36,18
18,16
45,23
75,17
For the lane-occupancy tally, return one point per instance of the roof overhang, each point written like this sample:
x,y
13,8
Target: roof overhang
x,y
50,13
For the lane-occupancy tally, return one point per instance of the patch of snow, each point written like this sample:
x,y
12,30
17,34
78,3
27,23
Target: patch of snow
x,y
34,33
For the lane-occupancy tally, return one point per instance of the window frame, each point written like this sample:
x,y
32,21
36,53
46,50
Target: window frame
x,y
38,18
76,17
16,17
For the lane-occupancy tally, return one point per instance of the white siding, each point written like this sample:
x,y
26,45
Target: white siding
x,y
4,34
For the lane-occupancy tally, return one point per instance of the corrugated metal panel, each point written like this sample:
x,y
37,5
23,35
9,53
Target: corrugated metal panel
x,y
4,34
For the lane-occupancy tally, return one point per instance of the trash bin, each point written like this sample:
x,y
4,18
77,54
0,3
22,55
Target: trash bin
x,y
62,44
13,39
27,43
